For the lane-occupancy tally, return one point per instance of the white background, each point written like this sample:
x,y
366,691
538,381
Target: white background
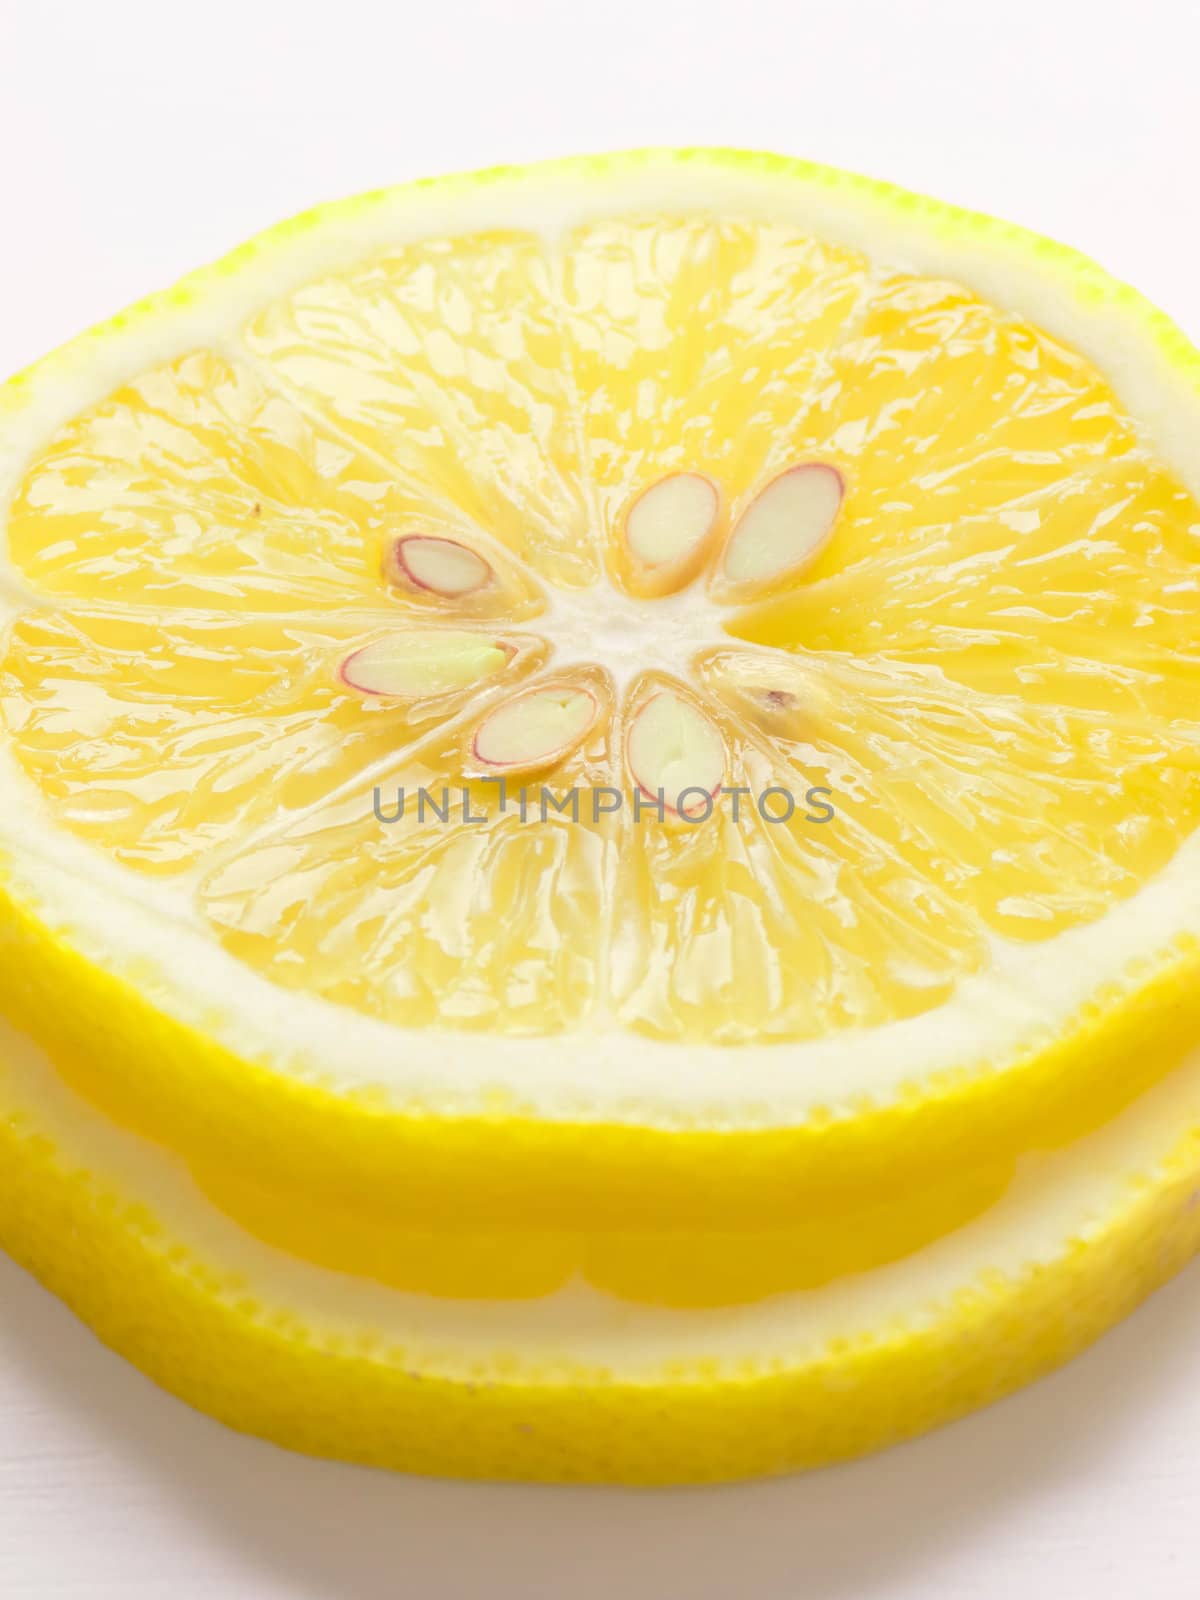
x,y
137,141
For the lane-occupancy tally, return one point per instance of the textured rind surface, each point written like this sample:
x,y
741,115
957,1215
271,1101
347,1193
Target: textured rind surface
x,y
226,1347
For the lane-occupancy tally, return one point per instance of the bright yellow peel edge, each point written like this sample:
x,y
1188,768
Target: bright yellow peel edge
x,y
223,1344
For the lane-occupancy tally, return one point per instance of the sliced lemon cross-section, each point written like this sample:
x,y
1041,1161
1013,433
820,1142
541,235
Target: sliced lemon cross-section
x,y
600,775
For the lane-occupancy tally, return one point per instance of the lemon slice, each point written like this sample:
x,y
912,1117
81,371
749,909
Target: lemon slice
x,y
593,761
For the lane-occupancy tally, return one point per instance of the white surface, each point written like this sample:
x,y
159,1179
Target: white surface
x,y
137,141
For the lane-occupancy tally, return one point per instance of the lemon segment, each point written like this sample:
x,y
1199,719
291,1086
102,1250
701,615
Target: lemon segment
x,y
420,349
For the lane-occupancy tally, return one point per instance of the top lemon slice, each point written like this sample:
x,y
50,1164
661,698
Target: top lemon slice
x,y
669,678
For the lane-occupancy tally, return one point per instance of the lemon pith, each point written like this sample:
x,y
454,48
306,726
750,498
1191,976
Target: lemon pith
x,y
356,1038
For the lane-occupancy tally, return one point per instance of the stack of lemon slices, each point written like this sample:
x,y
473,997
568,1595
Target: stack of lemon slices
x,y
598,800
